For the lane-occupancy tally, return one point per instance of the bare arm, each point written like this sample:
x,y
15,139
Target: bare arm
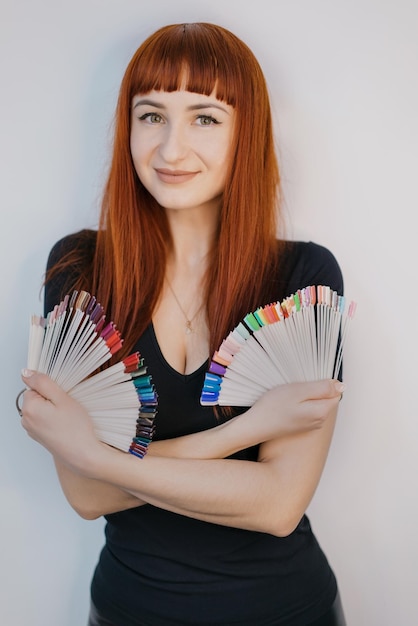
x,y
91,498
269,496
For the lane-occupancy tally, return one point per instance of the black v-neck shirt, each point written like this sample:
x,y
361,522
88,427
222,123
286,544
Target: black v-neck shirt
x,y
159,568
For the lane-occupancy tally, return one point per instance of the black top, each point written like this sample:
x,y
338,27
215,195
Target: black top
x,y
159,568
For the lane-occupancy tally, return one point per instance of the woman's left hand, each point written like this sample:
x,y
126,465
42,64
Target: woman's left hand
x,y
58,422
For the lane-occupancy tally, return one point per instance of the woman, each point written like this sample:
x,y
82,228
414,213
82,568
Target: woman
x,y
208,528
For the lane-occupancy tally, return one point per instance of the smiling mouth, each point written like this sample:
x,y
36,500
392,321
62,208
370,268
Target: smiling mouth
x,y
175,176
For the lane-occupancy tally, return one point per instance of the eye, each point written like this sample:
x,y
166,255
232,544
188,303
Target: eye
x,y
206,120
151,118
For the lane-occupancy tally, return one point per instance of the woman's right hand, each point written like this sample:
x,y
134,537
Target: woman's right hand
x,y
282,411
293,408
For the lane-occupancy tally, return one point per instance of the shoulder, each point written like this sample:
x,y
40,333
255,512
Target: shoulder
x,y
70,259
79,245
309,263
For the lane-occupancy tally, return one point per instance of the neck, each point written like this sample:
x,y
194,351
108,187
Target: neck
x,y
193,234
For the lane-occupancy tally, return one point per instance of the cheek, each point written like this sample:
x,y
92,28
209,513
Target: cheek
x,y
225,152
215,153
137,157
223,159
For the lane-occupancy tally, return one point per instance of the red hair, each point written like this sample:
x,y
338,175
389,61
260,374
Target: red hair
x,y
133,237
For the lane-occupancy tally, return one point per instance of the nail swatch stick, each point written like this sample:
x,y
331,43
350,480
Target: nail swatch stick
x,y
299,339
71,345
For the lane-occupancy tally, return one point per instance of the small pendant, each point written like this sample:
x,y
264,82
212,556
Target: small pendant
x,y
189,328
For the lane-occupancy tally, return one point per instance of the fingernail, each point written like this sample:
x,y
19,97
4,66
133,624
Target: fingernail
x,y
339,386
27,373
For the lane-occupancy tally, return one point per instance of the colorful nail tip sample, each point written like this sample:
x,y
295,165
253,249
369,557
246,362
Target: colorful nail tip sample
x,y
299,339
71,345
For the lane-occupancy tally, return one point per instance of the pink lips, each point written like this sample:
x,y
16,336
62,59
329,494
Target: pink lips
x,y
174,176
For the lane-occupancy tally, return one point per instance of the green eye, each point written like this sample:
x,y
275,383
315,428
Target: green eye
x,y
207,120
153,118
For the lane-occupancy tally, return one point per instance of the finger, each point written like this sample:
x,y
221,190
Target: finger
x,y
43,385
332,388
322,389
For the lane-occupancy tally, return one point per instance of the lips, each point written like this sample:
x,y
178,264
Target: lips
x,y
174,176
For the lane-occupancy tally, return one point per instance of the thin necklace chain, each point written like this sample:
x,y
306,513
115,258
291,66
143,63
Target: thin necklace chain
x,y
189,327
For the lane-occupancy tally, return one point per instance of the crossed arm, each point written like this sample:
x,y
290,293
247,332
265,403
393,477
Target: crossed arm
x,y
190,475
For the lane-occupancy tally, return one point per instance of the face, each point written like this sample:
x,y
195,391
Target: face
x,y
180,145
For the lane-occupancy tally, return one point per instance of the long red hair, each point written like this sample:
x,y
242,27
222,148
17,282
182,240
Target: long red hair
x,y
133,237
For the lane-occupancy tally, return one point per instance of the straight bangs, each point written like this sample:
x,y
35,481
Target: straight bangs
x,y
197,57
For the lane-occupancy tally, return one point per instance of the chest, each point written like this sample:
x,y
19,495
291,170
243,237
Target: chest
x,y
183,337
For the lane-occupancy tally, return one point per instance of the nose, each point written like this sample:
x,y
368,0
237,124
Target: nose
x,y
174,146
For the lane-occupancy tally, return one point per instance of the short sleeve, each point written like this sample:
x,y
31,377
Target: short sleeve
x,y
313,264
81,247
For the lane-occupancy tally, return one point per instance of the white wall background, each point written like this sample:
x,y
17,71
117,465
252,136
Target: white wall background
x,y
343,80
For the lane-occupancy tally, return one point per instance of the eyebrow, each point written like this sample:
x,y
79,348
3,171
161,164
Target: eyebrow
x,y
192,107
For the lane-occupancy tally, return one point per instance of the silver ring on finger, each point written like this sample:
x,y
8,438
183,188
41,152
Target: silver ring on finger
x,y
18,407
